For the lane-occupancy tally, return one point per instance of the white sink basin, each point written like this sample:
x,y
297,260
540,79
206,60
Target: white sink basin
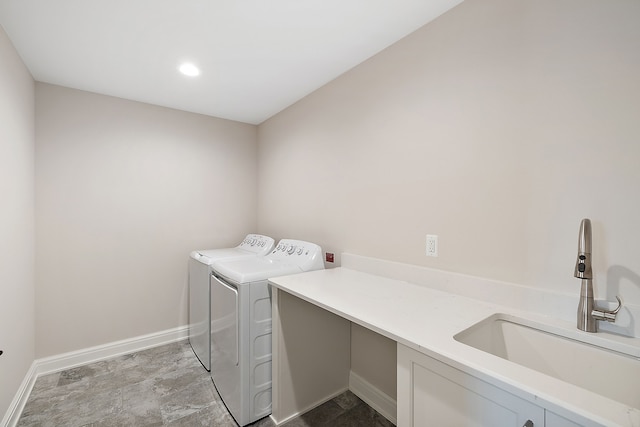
x,y
609,373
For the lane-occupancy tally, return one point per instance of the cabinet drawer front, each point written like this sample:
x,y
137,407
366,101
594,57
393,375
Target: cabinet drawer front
x,y
431,393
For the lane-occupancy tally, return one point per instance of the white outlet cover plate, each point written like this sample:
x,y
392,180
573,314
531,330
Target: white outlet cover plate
x,y
432,245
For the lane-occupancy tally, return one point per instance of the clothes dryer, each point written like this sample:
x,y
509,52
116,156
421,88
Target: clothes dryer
x,y
241,325
200,289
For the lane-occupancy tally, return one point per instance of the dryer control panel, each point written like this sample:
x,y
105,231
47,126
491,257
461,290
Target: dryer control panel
x,y
308,256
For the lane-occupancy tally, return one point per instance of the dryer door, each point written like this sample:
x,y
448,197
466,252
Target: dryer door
x,y
225,352
224,321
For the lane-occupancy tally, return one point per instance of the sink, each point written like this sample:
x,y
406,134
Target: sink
x,y
609,373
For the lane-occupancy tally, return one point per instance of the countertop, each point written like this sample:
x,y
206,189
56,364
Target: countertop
x,y
426,320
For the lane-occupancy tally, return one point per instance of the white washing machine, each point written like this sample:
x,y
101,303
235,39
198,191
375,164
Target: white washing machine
x,y
199,288
241,325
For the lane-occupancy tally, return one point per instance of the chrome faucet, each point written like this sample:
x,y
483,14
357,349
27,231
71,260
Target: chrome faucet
x,y
588,313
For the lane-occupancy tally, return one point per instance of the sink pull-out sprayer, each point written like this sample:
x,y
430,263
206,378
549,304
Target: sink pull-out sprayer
x,y
588,313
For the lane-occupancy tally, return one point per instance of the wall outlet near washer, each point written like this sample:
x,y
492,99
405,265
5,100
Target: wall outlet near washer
x,y
432,245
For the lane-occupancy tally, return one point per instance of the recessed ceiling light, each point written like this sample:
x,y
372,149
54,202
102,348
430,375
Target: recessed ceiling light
x,y
188,69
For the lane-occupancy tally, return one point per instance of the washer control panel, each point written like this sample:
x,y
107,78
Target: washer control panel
x,y
257,243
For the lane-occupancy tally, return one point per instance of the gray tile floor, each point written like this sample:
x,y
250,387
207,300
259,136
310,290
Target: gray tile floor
x,y
161,386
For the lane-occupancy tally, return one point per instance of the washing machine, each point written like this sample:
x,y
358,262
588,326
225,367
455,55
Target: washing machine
x,y
241,325
199,288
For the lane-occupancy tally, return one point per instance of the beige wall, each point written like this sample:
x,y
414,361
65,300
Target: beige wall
x,y
497,127
17,244
124,192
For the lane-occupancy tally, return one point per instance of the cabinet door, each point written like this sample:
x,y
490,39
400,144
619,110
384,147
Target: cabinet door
x,y
431,393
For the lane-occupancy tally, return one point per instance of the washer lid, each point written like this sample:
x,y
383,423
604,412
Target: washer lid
x,y
254,269
207,257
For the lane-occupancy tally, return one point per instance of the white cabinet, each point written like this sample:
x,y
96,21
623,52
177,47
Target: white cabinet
x,y
431,393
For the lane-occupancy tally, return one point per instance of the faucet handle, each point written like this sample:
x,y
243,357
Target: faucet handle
x,y
609,316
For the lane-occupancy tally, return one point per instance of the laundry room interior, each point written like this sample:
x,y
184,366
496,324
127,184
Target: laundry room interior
x,y
498,126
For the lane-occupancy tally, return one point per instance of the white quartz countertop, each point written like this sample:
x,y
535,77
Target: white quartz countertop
x,y
426,320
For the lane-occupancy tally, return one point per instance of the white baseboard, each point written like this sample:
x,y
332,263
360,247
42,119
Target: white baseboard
x,y
60,362
72,359
14,411
372,396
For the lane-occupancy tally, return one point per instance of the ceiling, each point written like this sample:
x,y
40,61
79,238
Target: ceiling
x,y
256,57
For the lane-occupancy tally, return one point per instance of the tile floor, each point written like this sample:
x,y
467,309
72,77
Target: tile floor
x,y
161,386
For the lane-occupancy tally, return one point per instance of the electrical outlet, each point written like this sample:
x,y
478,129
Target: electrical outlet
x,y
432,245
